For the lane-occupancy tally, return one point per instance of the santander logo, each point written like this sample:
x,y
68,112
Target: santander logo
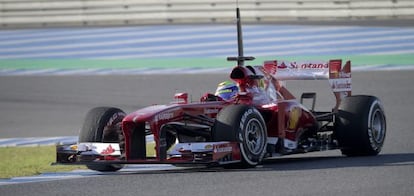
x,y
305,65
108,150
282,66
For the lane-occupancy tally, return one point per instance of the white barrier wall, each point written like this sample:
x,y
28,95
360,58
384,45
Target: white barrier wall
x,y
26,13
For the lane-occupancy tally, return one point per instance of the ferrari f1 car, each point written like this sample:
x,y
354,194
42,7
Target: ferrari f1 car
x,y
262,121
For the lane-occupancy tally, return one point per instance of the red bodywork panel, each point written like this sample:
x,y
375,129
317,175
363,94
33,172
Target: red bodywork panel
x,y
288,122
284,118
156,116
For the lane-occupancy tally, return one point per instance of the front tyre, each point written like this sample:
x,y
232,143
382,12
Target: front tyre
x,y
245,125
360,126
103,124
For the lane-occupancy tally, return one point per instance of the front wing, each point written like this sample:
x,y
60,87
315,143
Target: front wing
x,y
206,153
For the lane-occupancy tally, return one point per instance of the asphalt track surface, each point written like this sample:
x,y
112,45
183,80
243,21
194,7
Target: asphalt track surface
x,y
56,105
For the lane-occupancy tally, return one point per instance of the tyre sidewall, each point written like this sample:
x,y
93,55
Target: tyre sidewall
x,y
101,125
375,145
231,125
249,116
353,125
97,121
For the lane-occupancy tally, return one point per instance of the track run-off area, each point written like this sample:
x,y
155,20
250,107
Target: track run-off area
x,y
196,48
50,78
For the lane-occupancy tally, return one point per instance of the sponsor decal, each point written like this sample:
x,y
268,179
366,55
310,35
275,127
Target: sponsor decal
x,y
82,147
285,70
303,65
109,150
244,117
99,148
73,147
219,149
211,111
341,84
115,117
163,116
294,115
208,147
282,65
376,144
223,152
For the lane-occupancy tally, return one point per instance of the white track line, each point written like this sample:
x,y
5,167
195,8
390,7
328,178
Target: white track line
x,y
44,141
87,173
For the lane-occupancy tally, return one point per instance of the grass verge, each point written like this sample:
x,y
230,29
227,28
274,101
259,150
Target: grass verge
x,y
161,63
29,161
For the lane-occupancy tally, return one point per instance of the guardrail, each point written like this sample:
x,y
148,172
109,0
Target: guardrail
x,y
39,13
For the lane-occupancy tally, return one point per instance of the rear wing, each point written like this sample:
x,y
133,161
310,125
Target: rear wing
x,y
339,76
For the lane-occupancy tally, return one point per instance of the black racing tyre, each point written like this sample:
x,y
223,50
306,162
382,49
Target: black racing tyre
x,y
360,126
244,124
102,124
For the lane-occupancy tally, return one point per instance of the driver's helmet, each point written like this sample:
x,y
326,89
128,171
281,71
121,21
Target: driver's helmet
x,y
227,90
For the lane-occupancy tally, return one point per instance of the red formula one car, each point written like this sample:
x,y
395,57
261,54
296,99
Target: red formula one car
x,y
263,120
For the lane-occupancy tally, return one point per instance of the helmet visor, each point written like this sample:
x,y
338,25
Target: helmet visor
x,y
227,93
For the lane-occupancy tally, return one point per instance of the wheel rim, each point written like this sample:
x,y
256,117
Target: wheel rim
x,y
378,126
254,136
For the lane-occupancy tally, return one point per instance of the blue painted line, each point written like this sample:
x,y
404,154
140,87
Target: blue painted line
x,y
201,41
37,141
6,142
24,34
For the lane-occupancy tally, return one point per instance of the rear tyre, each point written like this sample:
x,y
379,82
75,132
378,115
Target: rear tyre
x,y
103,124
360,126
243,124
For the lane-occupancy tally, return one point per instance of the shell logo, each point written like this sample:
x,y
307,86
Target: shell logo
x,y
208,147
294,115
